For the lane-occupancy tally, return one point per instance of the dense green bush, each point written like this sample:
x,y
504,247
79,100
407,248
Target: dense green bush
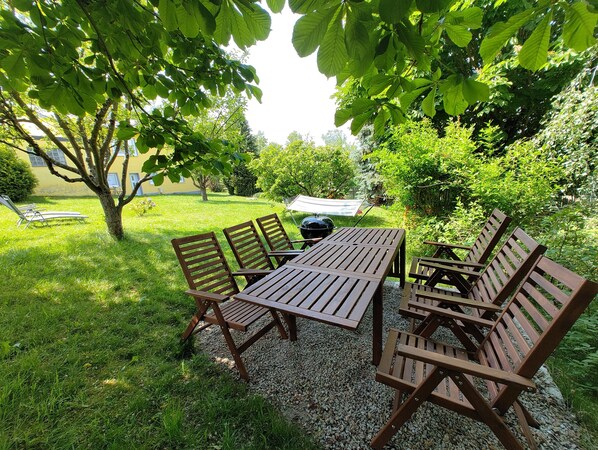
x,y
241,182
570,133
303,168
522,183
463,227
431,174
423,171
16,178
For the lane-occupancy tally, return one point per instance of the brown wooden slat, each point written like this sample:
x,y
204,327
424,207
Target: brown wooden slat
x,y
334,303
359,308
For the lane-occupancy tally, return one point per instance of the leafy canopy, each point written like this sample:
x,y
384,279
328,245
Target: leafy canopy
x,y
393,49
164,56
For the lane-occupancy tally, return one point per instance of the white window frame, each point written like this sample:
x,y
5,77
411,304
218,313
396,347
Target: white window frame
x,y
114,176
56,154
132,148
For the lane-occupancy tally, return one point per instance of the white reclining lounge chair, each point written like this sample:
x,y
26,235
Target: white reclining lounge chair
x,y
31,214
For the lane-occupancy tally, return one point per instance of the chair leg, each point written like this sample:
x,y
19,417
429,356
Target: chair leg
x,y
396,402
406,410
231,343
412,326
486,413
522,416
462,336
190,328
202,307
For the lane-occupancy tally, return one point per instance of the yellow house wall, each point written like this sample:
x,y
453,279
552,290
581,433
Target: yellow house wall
x,y
50,185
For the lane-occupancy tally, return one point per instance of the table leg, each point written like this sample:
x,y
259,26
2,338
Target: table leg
x,y
402,261
377,326
291,321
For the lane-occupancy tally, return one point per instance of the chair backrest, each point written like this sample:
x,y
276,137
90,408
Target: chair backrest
x,y
493,230
247,246
533,323
6,201
506,270
274,233
204,265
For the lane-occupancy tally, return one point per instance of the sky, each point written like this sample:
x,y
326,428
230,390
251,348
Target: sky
x,y
296,97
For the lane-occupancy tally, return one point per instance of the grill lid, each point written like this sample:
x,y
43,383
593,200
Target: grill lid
x,y
316,226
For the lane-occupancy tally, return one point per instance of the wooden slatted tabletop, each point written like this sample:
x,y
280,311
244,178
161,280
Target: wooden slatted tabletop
x,y
335,281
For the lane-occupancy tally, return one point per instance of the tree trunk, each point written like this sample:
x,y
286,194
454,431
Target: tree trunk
x,y
113,215
204,194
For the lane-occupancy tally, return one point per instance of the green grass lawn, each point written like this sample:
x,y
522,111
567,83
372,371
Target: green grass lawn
x,y
89,334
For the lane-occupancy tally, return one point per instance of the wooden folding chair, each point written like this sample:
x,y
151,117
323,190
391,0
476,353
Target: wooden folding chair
x,y
428,269
485,297
534,322
278,239
249,251
213,287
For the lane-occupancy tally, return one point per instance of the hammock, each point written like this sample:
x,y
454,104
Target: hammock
x,y
326,206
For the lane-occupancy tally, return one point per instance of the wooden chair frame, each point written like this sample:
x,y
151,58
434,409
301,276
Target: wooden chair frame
x,y
250,253
429,269
213,287
533,323
278,240
485,297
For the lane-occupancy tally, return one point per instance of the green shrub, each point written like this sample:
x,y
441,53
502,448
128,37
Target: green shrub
x,y
522,183
570,133
16,178
425,172
241,182
463,228
142,207
303,168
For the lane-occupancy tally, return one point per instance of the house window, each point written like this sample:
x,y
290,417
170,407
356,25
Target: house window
x,y
113,181
182,179
36,161
132,148
56,154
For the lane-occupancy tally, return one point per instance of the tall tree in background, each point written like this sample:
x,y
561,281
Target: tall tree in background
x,y
242,181
302,168
79,149
223,121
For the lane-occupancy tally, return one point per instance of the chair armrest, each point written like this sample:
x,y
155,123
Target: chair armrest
x,y
450,268
466,367
252,272
444,244
204,295
451,314
313,240
285,253
450,262
30,207
444,298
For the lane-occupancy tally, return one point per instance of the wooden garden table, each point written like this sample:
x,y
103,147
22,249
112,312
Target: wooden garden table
x,y
335,281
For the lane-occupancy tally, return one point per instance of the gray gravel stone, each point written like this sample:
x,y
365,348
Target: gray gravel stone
x,y
325,383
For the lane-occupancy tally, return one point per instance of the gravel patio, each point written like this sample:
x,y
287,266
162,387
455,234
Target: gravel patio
x,y
325,382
